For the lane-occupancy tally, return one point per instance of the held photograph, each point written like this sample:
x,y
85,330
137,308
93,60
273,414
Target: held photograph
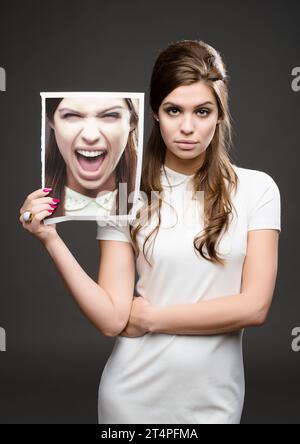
x,y
91,153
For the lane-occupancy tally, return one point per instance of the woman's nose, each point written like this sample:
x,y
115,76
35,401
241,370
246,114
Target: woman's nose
x,y
90,132
187,125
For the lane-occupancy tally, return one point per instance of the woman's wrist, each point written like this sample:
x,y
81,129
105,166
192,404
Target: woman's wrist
x,y
151,318
50,240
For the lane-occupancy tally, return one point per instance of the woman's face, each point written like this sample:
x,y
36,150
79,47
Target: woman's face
x,y
91,134
189,113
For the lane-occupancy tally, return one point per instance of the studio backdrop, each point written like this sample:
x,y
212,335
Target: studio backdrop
x,y
79,55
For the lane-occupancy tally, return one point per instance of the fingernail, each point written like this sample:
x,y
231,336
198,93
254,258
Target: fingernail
x,y
50,211
46,190
56,200
53,206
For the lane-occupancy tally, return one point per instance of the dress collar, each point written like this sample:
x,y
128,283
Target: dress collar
x,y
170,178
76,201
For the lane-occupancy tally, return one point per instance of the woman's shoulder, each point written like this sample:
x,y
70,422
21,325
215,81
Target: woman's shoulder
x,y
253,178
261,195
114,229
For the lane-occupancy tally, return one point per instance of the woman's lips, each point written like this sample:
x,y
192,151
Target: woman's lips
x,y
90,167
186,145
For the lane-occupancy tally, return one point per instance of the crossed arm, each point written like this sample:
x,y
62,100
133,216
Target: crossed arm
x,y
109,306
224,314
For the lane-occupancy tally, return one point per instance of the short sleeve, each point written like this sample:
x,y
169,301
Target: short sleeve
x,y
265,204
118,231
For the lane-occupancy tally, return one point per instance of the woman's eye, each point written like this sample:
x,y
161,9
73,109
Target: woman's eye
x,y
68,115
110,115
114,115
171,109
205,110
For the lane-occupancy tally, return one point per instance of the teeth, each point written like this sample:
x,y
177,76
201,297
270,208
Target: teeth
x,y
90,153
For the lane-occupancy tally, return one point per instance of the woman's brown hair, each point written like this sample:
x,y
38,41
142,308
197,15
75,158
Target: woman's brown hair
x,y
183,63
55,167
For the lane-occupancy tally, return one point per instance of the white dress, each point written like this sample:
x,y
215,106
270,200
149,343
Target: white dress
x,y
185,379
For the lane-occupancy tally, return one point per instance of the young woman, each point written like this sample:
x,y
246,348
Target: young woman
x,y
178,357
92,146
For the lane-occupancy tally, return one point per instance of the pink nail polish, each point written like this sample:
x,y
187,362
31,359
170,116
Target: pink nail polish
x,y
46,190
56,200
53,206
50,211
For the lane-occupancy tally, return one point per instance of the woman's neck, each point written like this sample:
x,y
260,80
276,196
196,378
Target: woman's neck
x,y
184,166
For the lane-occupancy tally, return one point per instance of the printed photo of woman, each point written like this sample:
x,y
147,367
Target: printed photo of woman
x,y
91,146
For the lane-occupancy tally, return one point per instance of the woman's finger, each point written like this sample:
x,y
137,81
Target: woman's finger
x,y
41,192
38,218
41,207
43,200
40,204
38,208
32,196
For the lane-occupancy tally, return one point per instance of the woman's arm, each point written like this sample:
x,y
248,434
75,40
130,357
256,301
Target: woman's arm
x,y
107,303
230,313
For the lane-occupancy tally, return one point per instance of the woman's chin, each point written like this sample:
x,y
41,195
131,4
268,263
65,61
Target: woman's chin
x,y
90,185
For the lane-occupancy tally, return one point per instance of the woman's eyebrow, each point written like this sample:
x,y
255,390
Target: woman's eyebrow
x,y
104,110
197,106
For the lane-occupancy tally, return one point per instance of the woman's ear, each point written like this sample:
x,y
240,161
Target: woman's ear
x,y
50,123
132,127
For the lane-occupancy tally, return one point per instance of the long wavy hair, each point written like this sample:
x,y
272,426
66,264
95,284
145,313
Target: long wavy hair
x,y
183,63
55,166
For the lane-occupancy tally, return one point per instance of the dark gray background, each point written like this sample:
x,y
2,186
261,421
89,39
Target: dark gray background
x,y
54,359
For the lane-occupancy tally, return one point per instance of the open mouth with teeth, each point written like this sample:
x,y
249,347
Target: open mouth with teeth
x,y
90,160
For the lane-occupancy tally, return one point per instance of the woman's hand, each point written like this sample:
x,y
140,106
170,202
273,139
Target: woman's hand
x,y
41,206
139,318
